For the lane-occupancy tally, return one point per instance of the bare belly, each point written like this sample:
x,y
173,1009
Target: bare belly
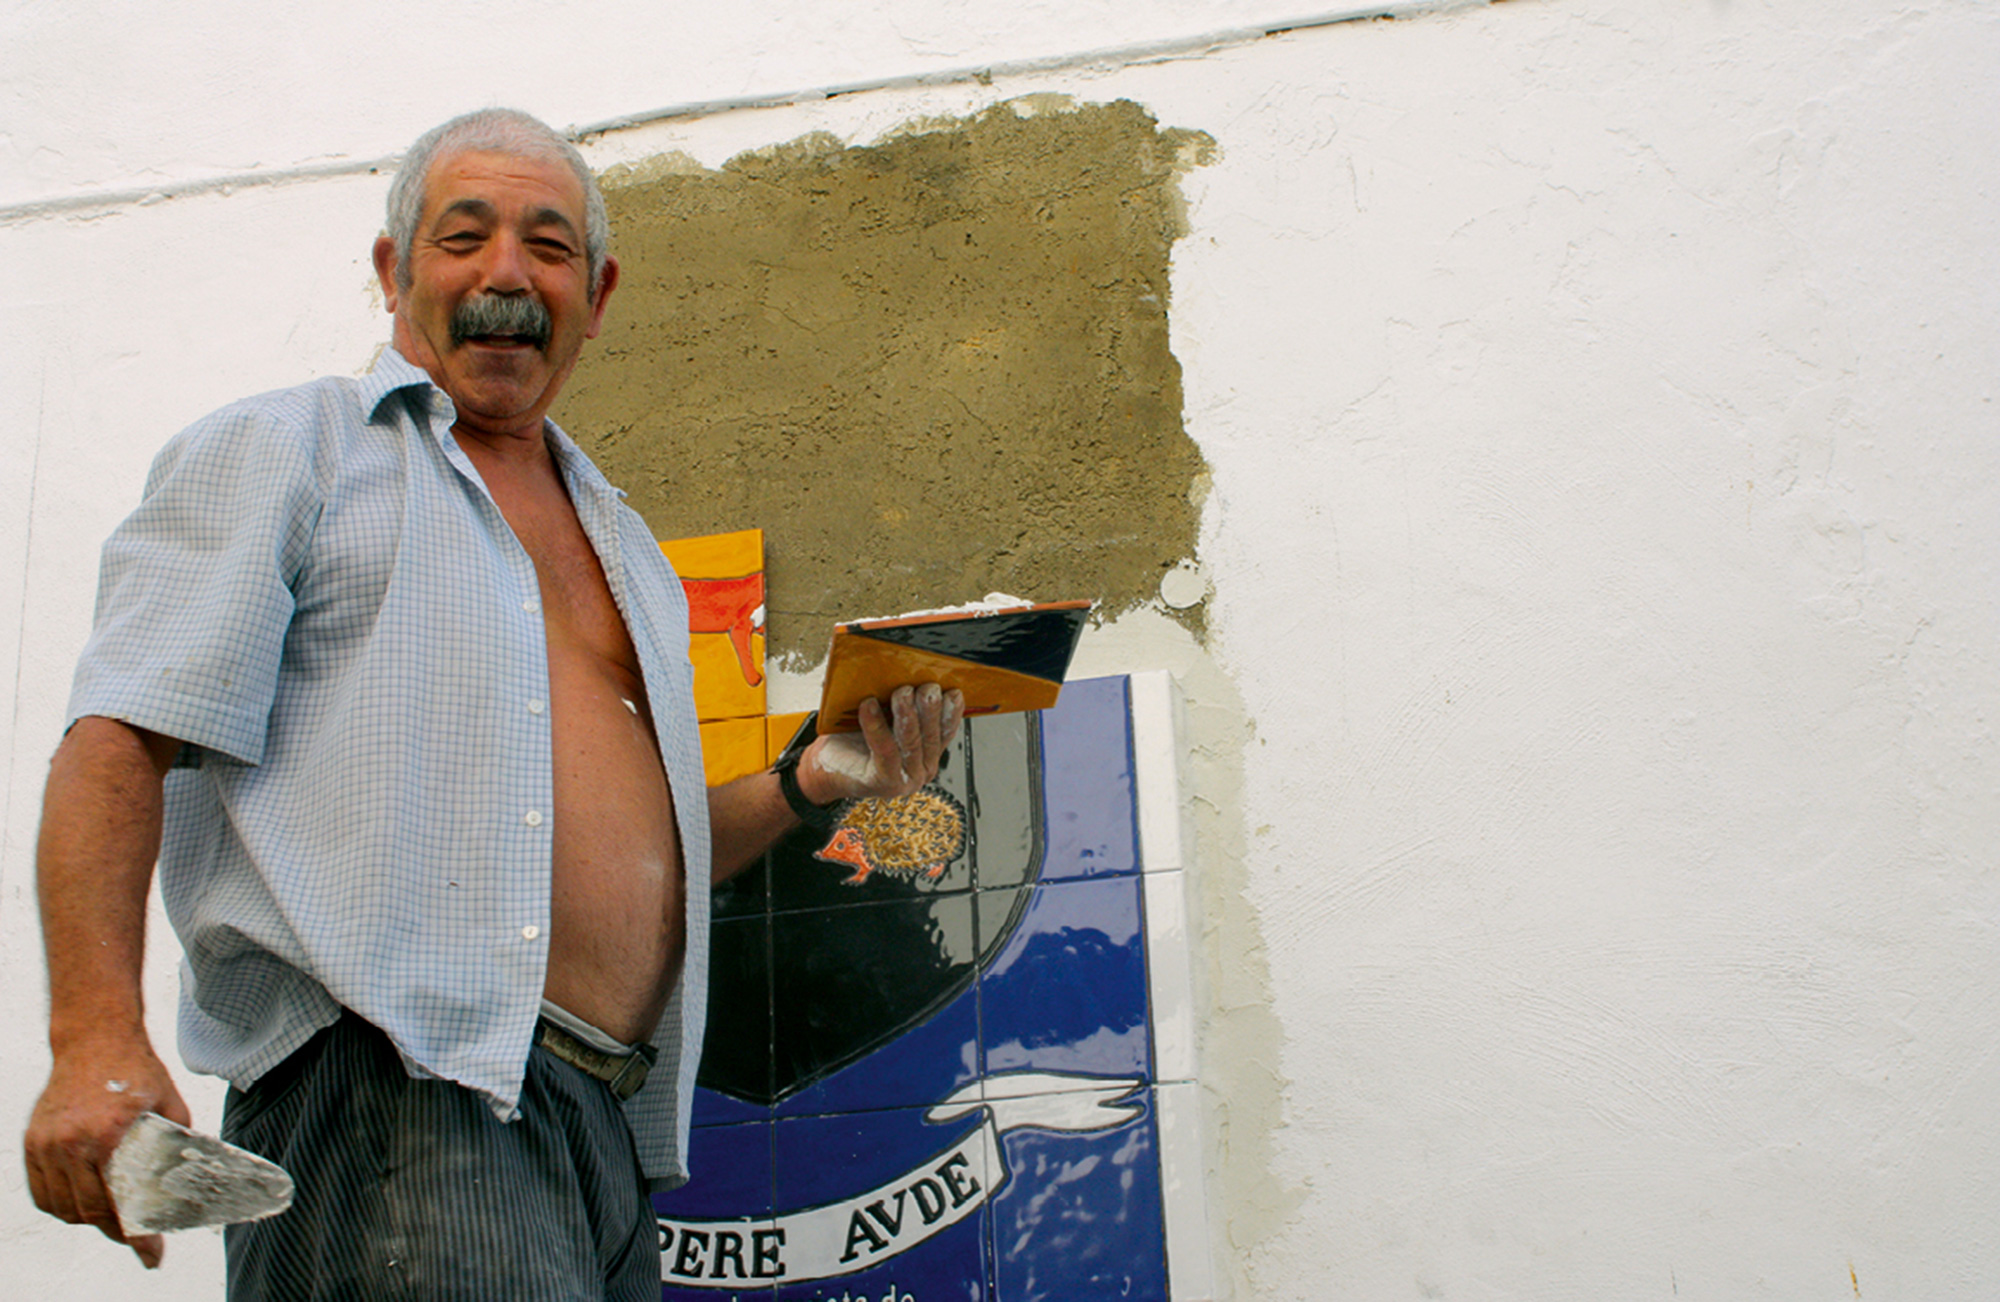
x,y
617,923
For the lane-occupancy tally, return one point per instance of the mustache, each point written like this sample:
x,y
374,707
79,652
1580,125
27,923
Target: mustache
x,y
512,315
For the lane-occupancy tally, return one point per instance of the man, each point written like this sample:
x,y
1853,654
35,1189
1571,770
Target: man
x,y
396,691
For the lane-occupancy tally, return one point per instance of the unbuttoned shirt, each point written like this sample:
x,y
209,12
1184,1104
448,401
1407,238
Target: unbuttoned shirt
x,y
320,599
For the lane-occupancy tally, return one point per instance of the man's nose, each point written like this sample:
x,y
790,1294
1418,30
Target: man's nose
x,y
507,266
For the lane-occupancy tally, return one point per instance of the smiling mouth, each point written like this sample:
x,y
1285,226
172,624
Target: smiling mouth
x,y
500,321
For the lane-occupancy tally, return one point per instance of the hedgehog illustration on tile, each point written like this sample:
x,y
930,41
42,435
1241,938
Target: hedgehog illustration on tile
x,y
922,832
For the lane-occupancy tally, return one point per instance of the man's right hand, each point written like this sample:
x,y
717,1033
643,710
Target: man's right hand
x,y
96,1090
94,863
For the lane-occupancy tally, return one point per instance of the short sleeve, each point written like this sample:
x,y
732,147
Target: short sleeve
x,y
194,592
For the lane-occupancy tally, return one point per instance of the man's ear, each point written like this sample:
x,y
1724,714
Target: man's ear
x,y
607,280
385,270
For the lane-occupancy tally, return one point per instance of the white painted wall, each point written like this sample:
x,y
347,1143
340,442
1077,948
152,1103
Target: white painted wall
x,y
94,97
1600,401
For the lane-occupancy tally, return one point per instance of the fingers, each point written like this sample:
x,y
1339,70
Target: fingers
x,y
906,738
909,732
50,1189
67,1184
930,727
94,1093
885,752
39,1187
927,719
954,714
93,1200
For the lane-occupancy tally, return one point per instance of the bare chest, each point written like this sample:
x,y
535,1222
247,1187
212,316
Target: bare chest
x,y
577,603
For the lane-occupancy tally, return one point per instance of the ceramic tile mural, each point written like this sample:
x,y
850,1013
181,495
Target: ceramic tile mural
x,y
723,576
926,1087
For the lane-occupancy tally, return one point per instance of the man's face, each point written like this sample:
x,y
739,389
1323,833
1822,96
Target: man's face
x,y
499,300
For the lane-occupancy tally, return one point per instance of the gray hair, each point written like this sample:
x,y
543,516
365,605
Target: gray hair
x,y
496,131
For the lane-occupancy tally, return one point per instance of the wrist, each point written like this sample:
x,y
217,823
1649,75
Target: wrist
x,y
815,782
98,1035
805,795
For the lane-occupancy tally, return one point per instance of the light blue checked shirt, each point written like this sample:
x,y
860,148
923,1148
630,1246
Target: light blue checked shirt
x,y
319,597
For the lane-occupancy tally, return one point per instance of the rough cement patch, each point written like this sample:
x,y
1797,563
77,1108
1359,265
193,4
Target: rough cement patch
x,y
672,163
1241,1043
929,368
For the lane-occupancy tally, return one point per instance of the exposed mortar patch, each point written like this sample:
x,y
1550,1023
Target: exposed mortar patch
x,y
929,368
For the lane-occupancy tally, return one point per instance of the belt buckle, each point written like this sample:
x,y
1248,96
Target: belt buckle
x,y
631,1074
625,1074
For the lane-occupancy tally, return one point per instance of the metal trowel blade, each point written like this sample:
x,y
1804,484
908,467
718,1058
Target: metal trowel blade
x,y
164,1176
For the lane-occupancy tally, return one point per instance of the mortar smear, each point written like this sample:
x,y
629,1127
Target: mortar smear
x,y
929,368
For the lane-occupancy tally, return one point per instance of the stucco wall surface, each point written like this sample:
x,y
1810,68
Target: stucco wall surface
x,y
1593,730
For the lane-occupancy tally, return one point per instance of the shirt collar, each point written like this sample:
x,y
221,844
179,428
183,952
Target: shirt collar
x,y
393,373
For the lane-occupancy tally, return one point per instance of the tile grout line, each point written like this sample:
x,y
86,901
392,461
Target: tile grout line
x,y
1154,714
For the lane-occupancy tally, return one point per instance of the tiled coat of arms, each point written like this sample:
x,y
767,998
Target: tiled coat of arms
x,y
943,1080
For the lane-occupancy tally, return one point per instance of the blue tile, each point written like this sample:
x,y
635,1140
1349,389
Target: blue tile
x,y
1080,1216
920,1066
1004,798
950,1268
713,1109
1068,992
850,983
746,894
1091,824
849,1010
736,1049
902,1238
729,1174
997,915
718,1228
708,1262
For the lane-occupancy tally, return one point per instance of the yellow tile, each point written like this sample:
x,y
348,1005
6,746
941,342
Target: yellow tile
x,y
778,730
731,749
720,691
723,575
717,555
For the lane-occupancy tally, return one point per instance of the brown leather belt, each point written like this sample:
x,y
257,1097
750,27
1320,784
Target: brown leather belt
x,y
623,1072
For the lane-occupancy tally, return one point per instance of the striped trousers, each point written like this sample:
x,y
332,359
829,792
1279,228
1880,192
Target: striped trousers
x,y
413,1191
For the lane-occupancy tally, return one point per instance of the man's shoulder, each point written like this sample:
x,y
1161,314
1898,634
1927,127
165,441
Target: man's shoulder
x,y
311,419
330,400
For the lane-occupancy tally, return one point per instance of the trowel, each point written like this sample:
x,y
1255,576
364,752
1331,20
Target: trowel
x,y
164,1176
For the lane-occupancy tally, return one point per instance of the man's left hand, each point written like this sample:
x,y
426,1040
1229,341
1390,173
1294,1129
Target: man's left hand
x,y
897,750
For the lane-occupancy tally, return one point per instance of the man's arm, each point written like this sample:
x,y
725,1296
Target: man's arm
x,y
101,819
896,752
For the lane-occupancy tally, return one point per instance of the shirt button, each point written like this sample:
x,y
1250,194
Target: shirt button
x,y
533,818
531,605
530,931
535,707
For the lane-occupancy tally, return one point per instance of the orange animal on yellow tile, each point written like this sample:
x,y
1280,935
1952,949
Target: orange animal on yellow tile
x,y
732,606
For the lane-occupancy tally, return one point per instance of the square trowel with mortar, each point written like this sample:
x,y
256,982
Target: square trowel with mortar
x,y
164,1176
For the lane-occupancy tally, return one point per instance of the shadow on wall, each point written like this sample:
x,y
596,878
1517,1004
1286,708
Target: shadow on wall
x,y
928,368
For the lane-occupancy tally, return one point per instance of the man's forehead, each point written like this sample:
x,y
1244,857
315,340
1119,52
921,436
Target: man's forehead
x,y
479,180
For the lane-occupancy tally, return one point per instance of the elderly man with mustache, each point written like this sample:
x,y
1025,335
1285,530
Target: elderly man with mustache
x,y
396,690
